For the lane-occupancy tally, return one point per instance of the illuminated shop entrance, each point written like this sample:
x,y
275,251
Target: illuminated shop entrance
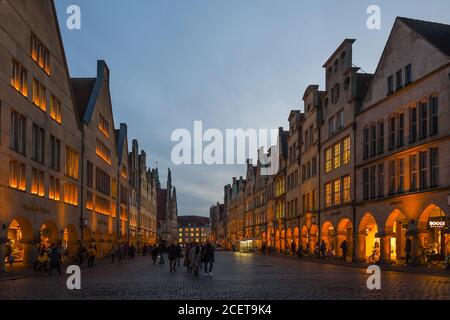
x,y
328,236
434,225
368,225
396,228
15,244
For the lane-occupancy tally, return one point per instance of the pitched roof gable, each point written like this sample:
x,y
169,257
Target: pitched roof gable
x,y
437,34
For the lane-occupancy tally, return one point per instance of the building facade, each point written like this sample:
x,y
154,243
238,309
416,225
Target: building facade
x,y
369,155
193,229
65,171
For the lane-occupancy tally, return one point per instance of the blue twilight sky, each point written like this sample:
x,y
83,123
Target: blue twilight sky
x,y
230,63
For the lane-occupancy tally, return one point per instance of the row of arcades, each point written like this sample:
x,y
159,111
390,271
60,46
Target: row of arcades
x,y
24,238
427,229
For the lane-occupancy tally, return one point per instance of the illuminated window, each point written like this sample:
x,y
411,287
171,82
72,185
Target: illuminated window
x,y
328,194
40,54
346,188
54,189
102,205
197,234
71,163
337,155
113,188
17,177
103,152
124,172
71,194
39,95
328,160
103,126
346,157
19,78
55,109
279,187
337,192
37,182
89,201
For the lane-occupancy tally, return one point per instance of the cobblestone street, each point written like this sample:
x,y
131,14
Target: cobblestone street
x,y
236,276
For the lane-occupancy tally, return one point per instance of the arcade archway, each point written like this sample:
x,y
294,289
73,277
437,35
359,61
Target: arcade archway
x,y
369,227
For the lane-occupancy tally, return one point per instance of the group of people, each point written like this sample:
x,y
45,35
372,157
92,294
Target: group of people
x,y
123,251
196,256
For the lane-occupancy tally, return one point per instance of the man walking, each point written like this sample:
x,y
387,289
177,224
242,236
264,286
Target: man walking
x,y
172,253
344,247
208,252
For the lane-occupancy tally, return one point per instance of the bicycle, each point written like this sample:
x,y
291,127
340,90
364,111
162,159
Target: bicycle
x,y
374,257
427,258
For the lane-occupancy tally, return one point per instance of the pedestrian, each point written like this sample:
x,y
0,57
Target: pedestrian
x,y
55,259
41,262
144,250
81,252
132,251
187,257
92,252
178,254
293,246
113,252
344,247
264,249
408,247
154,253
300,252
208,256
323,249
161,251
172,254
195,260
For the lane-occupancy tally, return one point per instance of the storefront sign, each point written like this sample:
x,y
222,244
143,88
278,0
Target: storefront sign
x,y
35,208
437,224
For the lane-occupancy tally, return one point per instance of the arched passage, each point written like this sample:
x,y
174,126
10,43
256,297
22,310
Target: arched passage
x,y
433,228
396,227
327,235
313,237
283,240
344,233
20,235
304,235
49,234
369,228
277,240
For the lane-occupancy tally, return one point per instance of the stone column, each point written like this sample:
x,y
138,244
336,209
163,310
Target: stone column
x,y
360,247
2,258
29,253
385,249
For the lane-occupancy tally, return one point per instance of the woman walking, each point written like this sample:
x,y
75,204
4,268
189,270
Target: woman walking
x,y
195,260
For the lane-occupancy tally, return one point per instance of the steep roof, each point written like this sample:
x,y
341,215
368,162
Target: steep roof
x,y
437,34
198,220
82,89
363,82
121,136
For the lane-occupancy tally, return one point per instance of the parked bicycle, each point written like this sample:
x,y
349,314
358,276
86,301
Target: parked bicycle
x,y
375,257
427,257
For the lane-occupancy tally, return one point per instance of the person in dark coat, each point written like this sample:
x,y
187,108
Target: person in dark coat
x,y
344,247
408,249
187,257
81,252
55,259
178,254
323,249
293,246
161,251
208,258
154,253
172,252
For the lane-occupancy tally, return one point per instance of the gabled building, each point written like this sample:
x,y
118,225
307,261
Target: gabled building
x,y
40,136
104,213
310,157
402,164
